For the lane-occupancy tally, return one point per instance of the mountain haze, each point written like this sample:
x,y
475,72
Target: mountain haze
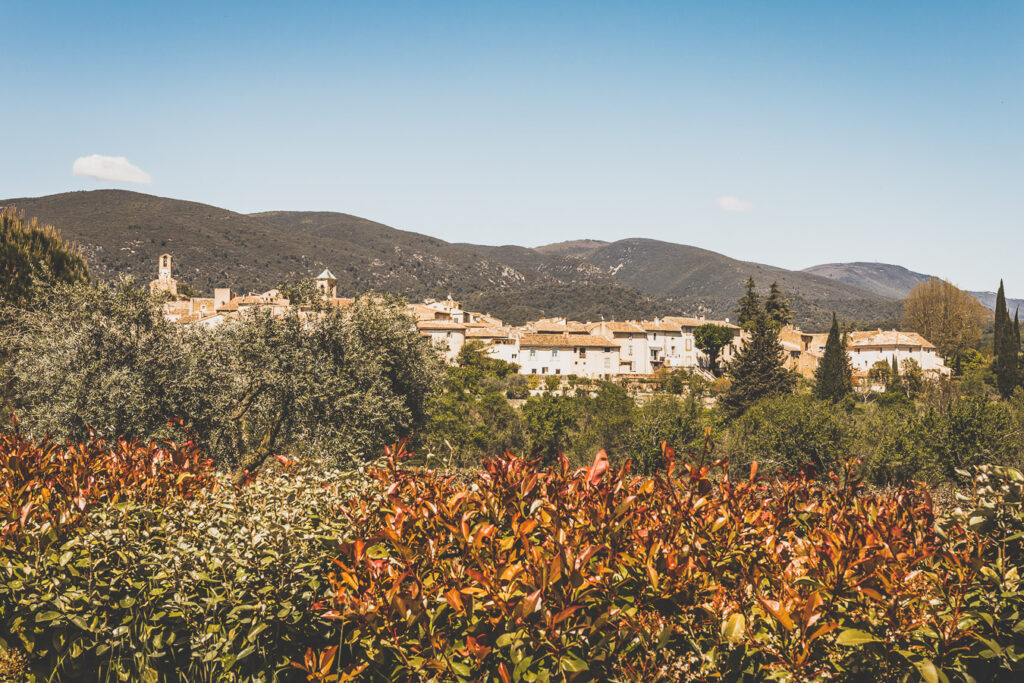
x,y
123,232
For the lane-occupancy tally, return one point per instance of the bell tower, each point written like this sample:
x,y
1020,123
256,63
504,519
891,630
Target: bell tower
x,y
164,281
327,284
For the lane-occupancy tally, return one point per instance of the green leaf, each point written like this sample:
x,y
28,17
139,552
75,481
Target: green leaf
x,y
735,627
927,669
47,616
853,637
572,664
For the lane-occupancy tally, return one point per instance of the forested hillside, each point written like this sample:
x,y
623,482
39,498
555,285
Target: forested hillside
x,y
123,232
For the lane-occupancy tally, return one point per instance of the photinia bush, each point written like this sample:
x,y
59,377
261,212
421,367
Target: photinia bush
x,y
531,574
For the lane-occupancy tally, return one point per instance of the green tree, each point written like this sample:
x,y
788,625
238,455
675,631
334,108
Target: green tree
x,y
605,421
749,306
676,421
710,339
551,424
785,433
833,378
338,385
30,252
777,306
1006,347
757,370
100,357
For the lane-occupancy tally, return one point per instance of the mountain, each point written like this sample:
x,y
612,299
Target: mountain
x,y
698,280
892,281
123,232
888,280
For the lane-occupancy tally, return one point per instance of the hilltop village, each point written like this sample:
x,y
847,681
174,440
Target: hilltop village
x,y
560,347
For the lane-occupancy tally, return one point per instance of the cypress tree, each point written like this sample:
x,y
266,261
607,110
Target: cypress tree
x,y
749,306
895,382
777,306
833,379
1017,339
757,370
1005,348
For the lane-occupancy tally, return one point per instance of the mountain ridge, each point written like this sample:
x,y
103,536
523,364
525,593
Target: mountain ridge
x,y
123,232
892,280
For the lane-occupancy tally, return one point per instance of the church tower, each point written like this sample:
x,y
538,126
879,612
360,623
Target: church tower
x,y
327,284
165,281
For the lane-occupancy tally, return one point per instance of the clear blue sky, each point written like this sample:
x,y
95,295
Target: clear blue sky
x,y
832,132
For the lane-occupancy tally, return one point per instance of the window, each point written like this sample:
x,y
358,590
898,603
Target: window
x,y
689,345
629,350
607,350
543,371
673,349
558,371
630,337
533,353
554,353
583,352
533,372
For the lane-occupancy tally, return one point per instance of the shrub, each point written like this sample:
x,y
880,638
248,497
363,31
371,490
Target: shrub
x,y
177,587
540,574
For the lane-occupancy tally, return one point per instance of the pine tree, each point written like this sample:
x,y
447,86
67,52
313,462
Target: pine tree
x,y
1005,348
757,370
777,306
749,306
833,378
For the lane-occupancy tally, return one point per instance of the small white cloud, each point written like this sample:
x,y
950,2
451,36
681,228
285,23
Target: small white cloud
x,y
734,204
117,169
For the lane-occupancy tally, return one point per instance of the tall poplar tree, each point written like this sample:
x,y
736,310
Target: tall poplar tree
x,y
833,379
777,306
749,306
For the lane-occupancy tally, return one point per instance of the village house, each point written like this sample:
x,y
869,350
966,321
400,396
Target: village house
x,y
557,346
632,341
804,350
584,355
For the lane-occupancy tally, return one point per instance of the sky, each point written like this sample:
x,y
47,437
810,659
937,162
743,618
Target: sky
x,y
788,133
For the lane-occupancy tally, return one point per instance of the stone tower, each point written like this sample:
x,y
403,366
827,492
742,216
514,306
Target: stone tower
x,y
165,281
327,284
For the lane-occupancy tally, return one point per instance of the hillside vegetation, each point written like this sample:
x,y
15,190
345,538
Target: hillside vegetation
x,y
124,232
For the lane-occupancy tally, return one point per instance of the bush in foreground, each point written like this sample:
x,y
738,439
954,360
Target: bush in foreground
x,y
159,570
136,562
528,575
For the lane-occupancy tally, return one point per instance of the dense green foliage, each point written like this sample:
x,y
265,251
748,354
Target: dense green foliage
x,y
1006,342
776,305
757,370
193,581
749,305
30,252
833,378
337,383
710,339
